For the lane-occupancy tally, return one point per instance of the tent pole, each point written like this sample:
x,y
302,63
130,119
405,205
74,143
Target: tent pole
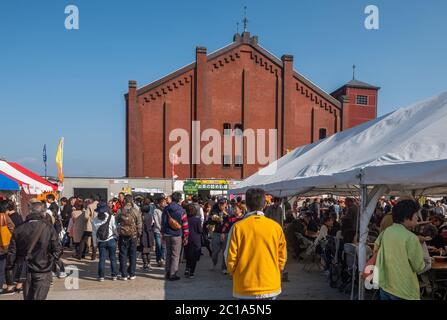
x,y
362,239
283,209
368,202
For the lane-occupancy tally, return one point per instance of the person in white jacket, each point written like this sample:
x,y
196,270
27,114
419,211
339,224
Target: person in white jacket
x,y
105,239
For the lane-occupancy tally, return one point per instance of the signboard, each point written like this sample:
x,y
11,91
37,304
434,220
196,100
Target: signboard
x,y
120,181
192,186
126,190
43,196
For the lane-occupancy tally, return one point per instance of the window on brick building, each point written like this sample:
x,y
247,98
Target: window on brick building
x,y
226,161
322,133
227,129
239,132
238,129
238,161
363,100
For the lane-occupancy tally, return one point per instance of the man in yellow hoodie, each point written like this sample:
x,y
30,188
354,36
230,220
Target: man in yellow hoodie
x,y
256,252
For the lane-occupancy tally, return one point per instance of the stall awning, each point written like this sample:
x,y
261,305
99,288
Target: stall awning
x,y
405,150
8,184
30,182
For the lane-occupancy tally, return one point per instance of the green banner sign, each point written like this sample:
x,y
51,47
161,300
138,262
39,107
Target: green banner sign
x,y
190,187
194,185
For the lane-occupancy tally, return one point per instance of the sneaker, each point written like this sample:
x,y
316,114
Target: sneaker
x,y
160,263
174,278
101,279
123,278
6,292
114,278
187,275
132,277
62,275
191,276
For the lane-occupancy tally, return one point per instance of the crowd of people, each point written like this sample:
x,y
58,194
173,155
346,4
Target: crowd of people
x,y
403,237
242,237
119,230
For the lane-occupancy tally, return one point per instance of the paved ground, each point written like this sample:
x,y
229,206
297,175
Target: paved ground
x,y
302,285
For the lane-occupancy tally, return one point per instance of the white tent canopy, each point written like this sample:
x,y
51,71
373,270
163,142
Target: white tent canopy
x,y
405,150
402,152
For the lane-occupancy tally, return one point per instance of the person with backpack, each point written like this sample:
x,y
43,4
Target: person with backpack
x,y
104,237
129,232
175,230
34,245
6,231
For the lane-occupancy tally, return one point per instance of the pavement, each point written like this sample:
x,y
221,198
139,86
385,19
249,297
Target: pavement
x,y
151,285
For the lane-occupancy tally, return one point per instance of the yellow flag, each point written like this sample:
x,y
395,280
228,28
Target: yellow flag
x,y
59,159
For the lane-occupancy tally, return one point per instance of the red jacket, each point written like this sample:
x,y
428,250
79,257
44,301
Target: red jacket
x,y
118,205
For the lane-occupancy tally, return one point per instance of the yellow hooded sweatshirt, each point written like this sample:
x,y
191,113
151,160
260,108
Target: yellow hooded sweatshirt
x,y
255,256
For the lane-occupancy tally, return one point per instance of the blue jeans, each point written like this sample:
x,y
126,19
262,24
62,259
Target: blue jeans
x,y
2,270
128,251
159,250
107,249
387,296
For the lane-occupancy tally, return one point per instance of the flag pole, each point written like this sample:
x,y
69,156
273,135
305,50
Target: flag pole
x,y
44,155
173,174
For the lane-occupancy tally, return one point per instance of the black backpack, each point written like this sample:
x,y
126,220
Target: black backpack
x,y
103,230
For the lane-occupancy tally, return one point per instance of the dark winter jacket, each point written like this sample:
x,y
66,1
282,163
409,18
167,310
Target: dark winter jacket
x,y
195,232
66,214
147,236
16,218
45,252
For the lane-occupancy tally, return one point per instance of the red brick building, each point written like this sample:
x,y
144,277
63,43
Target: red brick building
x,y
240,86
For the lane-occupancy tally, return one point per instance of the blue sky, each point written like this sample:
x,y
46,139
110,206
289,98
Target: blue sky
x,y
55,82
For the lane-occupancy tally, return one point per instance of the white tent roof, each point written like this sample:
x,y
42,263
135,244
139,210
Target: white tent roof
x,y
406,150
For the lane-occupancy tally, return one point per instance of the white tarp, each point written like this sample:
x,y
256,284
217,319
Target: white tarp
x,y
405,150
